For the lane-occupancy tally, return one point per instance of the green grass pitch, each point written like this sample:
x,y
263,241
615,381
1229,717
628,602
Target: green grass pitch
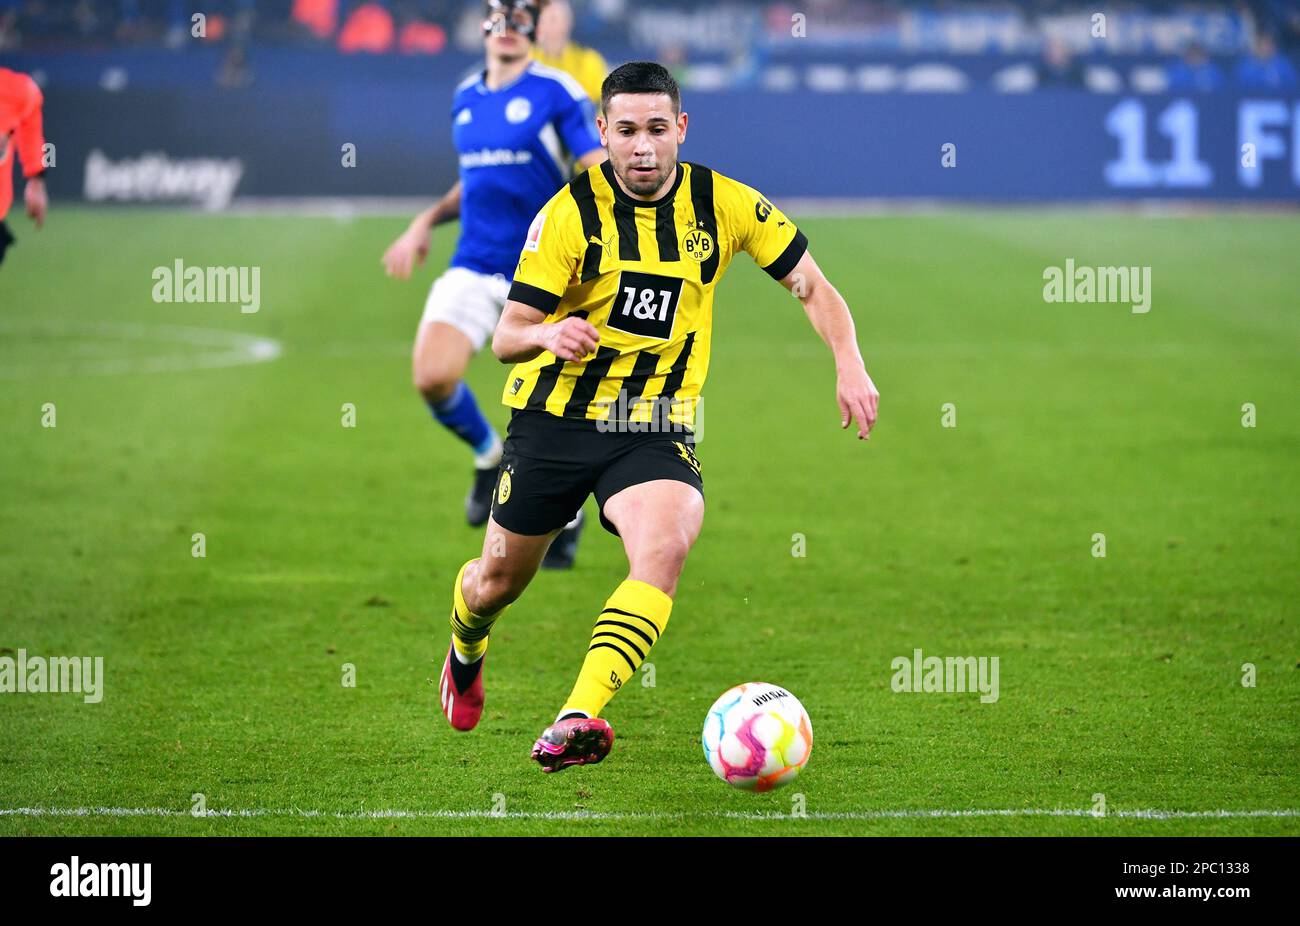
x,y
327,545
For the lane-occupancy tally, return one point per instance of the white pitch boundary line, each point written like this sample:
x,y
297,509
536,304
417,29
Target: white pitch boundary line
x,y
215,348
347,208
1150,814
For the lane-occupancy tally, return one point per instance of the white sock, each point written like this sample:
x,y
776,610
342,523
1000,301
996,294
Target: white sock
x,y
562,713
577,519
490,457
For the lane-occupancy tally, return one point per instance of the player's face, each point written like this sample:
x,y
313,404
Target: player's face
x,y
554,24
508,44
641,133
509,29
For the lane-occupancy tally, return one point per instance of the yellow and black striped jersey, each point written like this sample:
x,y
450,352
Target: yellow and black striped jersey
x,y
643,273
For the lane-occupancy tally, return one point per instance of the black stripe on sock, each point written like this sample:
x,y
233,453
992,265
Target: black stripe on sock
x,y
639,633
466,628
468,634
653,625
630,664
622,639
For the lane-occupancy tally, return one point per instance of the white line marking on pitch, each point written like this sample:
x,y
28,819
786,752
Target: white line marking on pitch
x,y
214,348
649,815
347,208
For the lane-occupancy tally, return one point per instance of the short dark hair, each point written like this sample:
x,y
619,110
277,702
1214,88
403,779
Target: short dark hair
x,y
640,77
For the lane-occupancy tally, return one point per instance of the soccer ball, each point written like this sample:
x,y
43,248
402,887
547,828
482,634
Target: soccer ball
x,y
757,736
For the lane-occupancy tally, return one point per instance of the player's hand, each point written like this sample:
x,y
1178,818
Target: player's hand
x,y
858,400
408,251
570,339
37,201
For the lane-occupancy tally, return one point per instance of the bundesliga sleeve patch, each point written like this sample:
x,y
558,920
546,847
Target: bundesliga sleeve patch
x,y
535,233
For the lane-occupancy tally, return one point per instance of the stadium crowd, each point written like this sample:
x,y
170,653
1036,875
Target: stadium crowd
x,y
876,45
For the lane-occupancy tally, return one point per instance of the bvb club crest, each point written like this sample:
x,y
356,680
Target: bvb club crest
x,y
697,243
503,488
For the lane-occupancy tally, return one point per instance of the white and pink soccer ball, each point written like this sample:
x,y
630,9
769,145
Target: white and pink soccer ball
x,y
757,736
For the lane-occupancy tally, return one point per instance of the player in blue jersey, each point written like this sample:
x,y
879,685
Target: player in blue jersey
x,y
518,127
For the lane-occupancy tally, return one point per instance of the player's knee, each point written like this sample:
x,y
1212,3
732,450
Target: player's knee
x,y
663,557
494,588
433,380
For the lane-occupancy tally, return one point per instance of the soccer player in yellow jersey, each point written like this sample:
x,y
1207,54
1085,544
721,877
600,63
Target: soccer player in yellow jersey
x,y
553,48
608,324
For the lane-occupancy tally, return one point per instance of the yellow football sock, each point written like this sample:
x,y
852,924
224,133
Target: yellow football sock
x,y
633,620
469,631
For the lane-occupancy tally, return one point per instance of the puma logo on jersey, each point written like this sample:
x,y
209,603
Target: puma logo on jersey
x,y
607,244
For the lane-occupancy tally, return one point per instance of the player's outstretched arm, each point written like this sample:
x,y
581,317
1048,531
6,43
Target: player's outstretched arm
x,y
830,316
522,334
412,246
30,145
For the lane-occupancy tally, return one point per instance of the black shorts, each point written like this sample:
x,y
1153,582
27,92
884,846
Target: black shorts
x,y
550,465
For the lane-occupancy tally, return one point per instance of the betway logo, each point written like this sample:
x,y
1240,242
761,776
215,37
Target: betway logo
x,y
210,182
494,157
105,879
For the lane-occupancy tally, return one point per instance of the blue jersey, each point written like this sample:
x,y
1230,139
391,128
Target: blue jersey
x,y
516,148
